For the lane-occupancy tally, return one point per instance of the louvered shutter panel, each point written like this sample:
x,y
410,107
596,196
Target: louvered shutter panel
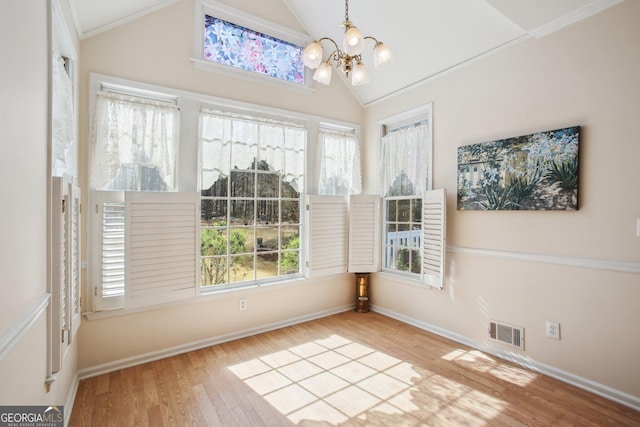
x,y
328,235
161,247
108,249
59,264
74,267
364,233
433,237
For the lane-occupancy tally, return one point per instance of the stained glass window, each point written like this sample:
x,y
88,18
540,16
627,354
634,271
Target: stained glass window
x,y
230,44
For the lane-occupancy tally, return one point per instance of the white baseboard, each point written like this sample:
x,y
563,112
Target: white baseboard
x,y
196,345
71,398
607,392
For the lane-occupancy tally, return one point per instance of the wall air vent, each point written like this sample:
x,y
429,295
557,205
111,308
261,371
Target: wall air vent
x,y
507,334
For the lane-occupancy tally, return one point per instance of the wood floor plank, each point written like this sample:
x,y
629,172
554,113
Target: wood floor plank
x,y
349,369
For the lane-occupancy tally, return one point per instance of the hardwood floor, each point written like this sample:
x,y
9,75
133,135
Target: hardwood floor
x,y
348,369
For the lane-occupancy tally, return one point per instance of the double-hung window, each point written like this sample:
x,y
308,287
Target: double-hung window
x,y
413,233
134,149
252,188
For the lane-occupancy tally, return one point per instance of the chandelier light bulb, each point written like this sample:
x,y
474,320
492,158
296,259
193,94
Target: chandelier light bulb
x,y
312,55
323,73
360,75
353,42
382,56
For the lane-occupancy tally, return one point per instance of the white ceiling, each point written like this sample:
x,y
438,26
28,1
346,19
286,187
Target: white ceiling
x,y
428,37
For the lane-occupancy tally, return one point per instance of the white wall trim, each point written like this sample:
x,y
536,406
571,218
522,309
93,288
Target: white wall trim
x,y
607,392
10,338
208,342
593,263
71,398
90,32
573,17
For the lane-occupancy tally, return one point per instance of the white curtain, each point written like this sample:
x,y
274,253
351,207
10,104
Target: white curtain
x,y
62,115
404,160
135,144
234,141
339,158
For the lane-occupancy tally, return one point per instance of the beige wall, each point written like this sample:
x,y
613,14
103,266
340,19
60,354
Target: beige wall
x,y
156,49
23,219
587,74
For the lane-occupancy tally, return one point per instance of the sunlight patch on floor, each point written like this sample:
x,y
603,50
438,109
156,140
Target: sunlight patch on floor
x,y
481,362
332,380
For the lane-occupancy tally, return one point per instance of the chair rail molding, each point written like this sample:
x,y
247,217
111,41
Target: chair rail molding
x,y
593,263
10,338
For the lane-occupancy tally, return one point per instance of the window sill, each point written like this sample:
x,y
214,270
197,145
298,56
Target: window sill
x,y
403,279
229,71
205,295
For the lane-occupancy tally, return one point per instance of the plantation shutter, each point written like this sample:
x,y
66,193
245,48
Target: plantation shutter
x,y
74,269
328,234
108,274
161,247
433,237
60,277
364,233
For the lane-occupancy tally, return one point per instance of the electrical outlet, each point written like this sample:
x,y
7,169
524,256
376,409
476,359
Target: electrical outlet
x,y
553,329
242,304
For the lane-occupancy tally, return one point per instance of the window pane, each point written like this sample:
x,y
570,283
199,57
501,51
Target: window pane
x,y
288,191
290,237
242,184
268,212
290,262
241,240
213,241
230,44
217,189
404,260
268,184
244,137
404,210
266,239
267,265
416,210
416,235
213,212
391,210
242,212
416,260
390,253
291,211
242,269
213,271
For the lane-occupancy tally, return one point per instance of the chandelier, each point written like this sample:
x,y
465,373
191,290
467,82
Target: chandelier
x,y
349,58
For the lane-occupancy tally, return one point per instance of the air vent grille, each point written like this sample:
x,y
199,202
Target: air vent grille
x,y
507,334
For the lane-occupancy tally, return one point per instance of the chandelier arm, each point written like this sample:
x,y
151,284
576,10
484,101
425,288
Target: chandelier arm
x,y
332,41
372,38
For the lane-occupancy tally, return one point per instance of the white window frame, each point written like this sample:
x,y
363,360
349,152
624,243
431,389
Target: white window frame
x,y
401,120
252,22
257,115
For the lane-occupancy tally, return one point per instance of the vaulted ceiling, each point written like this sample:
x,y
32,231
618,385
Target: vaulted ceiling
x,y
428,37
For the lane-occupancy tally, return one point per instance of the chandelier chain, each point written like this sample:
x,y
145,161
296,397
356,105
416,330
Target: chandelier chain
x,y
346,10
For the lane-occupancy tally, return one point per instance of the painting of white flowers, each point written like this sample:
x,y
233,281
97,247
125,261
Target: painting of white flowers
x,y
531,172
